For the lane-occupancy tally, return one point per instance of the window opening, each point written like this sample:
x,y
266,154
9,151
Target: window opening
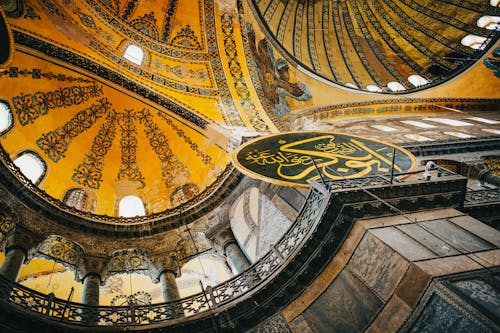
x,y
395,86
489,22
494,131
417,80
475,42
5,117
76,198
373,88
131,206
459,135
384,128
417,137
450,122
134,54
484,120
418,124
31,165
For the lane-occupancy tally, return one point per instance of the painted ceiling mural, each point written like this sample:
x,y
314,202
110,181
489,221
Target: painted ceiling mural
x,y
359,43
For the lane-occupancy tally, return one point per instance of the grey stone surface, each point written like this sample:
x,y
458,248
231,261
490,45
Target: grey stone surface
x,y
275,324
346,306
431,242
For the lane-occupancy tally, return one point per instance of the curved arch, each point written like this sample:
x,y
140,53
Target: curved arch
x,y
131,206
62,250
31,165
6,118
135,54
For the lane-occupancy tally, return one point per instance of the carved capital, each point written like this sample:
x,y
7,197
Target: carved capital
x,y
91,265
167,261
222,238
23,239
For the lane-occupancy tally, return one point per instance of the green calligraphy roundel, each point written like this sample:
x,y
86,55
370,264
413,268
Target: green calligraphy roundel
x,y
297,158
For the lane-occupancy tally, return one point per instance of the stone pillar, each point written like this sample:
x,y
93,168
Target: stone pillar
x,y
231,249
90,291
14,260
89,272
166,268
169,287
18,247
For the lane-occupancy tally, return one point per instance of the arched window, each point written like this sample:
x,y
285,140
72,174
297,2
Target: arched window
x,y
417,80
131,206
475,42
417,137
484,120
31,165
495,3
395,86
449,122
134,53
459,135
494,131
489,22
5,117
351,85
384,128
417,124
76,198
373,88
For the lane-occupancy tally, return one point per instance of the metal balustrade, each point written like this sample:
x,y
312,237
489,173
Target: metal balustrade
x,y
212,297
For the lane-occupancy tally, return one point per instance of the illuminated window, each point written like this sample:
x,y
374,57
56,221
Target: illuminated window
x,y
373,88
76,198
475,42
459,135
131,206
450,122
418,124
395,86
417,80
495,3
484,120
5,117
489,22
134,54
418,138
384,128
494,131
31,165
351,85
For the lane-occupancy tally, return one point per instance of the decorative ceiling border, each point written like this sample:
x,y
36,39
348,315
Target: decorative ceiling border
x,y
107,74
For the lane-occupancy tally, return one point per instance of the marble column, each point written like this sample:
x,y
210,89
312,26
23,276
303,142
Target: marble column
x,y
169,287
14,259
236,259
90,291
18,247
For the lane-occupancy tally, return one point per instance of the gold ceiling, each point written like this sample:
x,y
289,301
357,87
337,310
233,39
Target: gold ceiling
x,y
154,124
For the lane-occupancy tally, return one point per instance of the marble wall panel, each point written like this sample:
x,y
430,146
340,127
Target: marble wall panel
x,y
346,306
431,242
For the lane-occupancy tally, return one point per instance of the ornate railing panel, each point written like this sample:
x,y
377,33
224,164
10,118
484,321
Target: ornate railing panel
x,y
211,298
482,196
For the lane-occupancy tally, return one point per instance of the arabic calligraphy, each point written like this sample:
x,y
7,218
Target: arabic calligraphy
x,y
300,157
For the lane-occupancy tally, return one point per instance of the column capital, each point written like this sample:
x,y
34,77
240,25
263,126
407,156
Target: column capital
x,y
23,239
223,238
165,262
90,265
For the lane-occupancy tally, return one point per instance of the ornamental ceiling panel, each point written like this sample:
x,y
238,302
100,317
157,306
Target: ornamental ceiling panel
x,y
362,43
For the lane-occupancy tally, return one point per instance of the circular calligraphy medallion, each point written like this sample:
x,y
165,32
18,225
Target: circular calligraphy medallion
x,y
297,158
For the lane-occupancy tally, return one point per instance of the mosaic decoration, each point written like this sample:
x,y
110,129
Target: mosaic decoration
x,y
129,169
35,73
55,143
172,7
364,43
274,76
89,172
186,38
183,193
138,298
61,250
129,260
146,24
8,222
87,20
171,167
239,82
205,159
31,106
130,8
105,73
493,63
297,158
493,163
